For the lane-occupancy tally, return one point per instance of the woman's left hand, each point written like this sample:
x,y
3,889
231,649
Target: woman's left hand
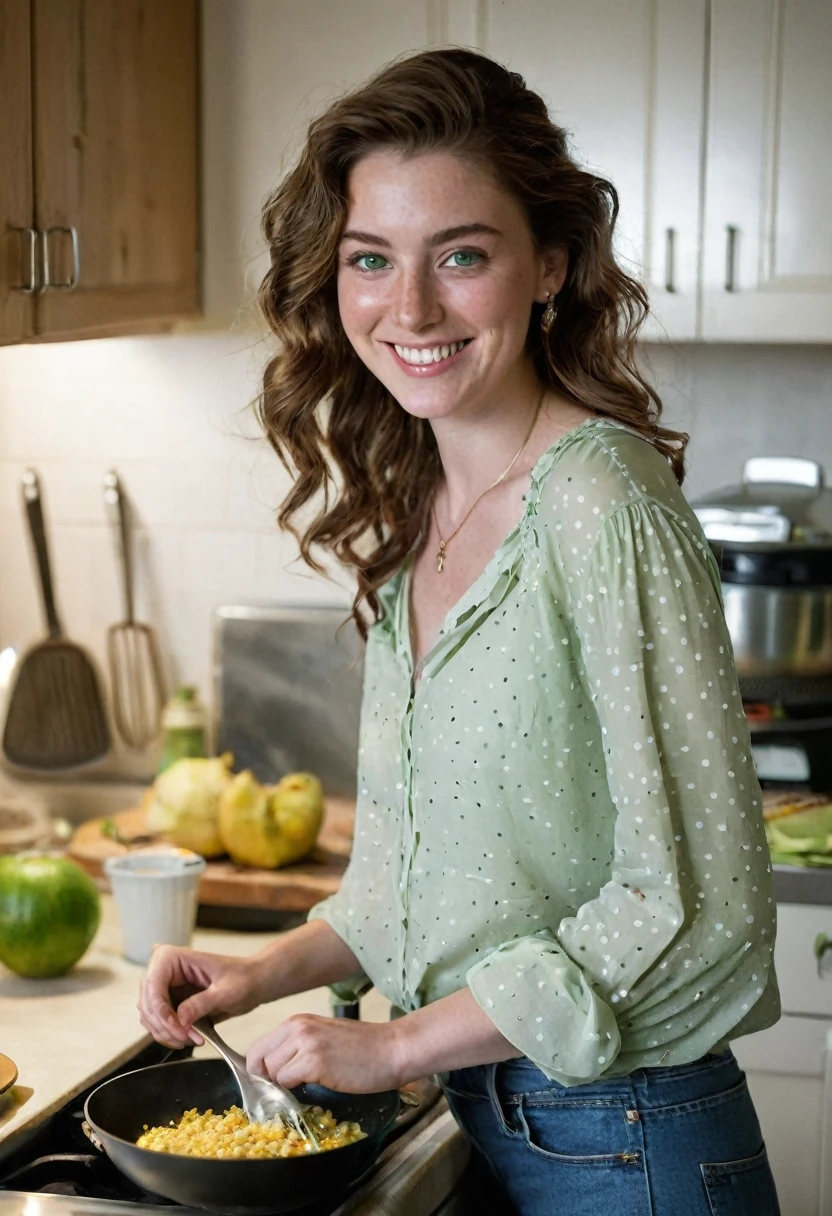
x,y
349,1056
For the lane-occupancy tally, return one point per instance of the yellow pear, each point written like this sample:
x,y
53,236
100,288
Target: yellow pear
x,y
270,826
182,805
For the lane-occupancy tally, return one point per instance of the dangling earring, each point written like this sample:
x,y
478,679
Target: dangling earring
x,y
549,313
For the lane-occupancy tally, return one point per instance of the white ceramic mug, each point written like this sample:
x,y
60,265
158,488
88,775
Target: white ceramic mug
x,y
156,892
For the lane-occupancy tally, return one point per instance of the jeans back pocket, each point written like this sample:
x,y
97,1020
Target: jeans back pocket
x,y
741,1188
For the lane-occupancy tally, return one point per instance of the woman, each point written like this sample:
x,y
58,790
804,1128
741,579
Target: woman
x,y
559,872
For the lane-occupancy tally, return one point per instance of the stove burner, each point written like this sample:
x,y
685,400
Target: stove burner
x,y
85,1175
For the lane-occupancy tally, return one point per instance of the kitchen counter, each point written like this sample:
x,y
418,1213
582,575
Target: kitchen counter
x,y
803,885
64,1034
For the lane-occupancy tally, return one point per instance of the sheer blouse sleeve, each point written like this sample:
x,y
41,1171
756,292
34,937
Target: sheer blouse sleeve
x,y
685,923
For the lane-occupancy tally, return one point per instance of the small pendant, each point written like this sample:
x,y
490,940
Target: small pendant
x,y
440,556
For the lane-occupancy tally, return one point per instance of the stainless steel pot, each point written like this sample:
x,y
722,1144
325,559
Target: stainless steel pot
x,y
774,534
778,631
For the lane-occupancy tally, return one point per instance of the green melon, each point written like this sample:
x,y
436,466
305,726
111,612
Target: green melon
x,y
49,914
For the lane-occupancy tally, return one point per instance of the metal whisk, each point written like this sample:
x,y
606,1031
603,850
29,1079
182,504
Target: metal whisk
x,y
135,664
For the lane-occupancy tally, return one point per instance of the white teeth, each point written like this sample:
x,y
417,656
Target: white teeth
x,y
435,354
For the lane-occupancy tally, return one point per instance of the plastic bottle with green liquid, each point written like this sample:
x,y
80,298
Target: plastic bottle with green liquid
x,y
183,727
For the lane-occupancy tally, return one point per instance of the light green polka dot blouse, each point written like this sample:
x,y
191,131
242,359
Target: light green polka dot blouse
x,y
562,812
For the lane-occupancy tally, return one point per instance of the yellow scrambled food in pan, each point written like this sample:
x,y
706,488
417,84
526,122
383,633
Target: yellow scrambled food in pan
x,y
232,1135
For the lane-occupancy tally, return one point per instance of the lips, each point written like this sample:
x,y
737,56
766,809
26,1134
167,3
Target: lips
x,y
427,360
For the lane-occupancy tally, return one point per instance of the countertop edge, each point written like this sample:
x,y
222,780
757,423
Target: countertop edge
x,y
802,885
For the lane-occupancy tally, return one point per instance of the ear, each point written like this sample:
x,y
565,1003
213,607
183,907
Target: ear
x,y
554,263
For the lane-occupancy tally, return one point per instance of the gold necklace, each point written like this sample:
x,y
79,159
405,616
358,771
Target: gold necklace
x,y
444,542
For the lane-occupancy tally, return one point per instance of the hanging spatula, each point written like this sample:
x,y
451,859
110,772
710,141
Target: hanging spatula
x,y
135,663
56,718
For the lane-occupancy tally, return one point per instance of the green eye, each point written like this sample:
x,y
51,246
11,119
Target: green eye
x,y
464,258
371,261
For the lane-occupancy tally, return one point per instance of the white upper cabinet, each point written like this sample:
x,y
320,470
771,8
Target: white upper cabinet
x,y
269,66
673,168
767,253
711,118
626,80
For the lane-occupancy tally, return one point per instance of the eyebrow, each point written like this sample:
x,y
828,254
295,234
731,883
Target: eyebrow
x,y
438,238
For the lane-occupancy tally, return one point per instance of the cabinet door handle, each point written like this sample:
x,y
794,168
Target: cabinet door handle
x,y
75,272
670,259
731,258
31,285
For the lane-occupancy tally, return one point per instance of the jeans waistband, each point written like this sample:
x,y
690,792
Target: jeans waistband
x,y
664,1086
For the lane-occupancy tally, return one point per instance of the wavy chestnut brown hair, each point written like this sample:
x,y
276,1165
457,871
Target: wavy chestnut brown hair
x,y
369,468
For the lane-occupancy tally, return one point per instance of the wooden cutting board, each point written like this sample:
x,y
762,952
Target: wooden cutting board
x,y
290,889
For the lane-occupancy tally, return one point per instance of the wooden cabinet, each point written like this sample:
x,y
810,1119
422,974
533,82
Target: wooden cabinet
x,y
767,264
103,128
18,271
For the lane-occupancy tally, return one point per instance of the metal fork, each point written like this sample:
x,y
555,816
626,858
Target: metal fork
x,y
263,1101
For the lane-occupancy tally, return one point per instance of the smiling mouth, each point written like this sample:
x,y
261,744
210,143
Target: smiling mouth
x,y
422,356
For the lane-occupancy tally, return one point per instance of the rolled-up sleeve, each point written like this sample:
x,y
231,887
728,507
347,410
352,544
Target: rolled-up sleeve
x,y
682,913
338,912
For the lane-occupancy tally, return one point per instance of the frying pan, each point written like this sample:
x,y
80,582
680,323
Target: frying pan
x,y
118,1110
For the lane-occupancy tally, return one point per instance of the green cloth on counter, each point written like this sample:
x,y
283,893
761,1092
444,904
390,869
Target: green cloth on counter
x,y
562,812
802,838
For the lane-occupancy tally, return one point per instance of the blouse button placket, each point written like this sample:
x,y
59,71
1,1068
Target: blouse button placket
x,y
409,836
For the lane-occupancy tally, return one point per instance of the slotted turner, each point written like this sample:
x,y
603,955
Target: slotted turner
x,y
135,664
56,718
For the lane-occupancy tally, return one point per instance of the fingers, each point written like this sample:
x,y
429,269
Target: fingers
x,y
264,1047
291,1054
292,1071
166,967
197,1006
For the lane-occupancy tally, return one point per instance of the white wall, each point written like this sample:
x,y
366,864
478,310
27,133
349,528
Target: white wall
x,y
173,416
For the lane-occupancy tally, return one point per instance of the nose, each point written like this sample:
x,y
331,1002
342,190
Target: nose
x,y
416,303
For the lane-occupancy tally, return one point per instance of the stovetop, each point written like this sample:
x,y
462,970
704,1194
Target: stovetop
x,y
16,1203
59,1172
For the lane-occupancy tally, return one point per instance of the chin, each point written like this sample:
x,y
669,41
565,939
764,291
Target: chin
x,y
428,405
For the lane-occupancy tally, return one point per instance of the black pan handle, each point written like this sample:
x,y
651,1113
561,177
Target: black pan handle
x,y
34,513
352,1010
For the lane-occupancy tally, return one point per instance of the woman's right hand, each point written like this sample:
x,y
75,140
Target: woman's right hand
x,y
228,986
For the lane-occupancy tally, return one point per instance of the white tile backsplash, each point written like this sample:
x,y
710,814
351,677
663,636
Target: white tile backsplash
x,y
742,401
173,415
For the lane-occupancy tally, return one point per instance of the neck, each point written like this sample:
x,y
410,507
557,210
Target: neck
x,y
476,446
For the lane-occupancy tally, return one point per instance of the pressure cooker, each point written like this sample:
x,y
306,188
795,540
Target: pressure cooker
x,y
773,538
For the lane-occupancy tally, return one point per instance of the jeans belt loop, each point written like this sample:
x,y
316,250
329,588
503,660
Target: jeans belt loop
x,y
496,1104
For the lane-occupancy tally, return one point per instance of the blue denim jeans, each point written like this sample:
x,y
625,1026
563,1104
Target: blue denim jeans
x,y
680,1141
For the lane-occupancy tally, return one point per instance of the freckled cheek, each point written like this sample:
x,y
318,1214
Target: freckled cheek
x,y
490,304
361,306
